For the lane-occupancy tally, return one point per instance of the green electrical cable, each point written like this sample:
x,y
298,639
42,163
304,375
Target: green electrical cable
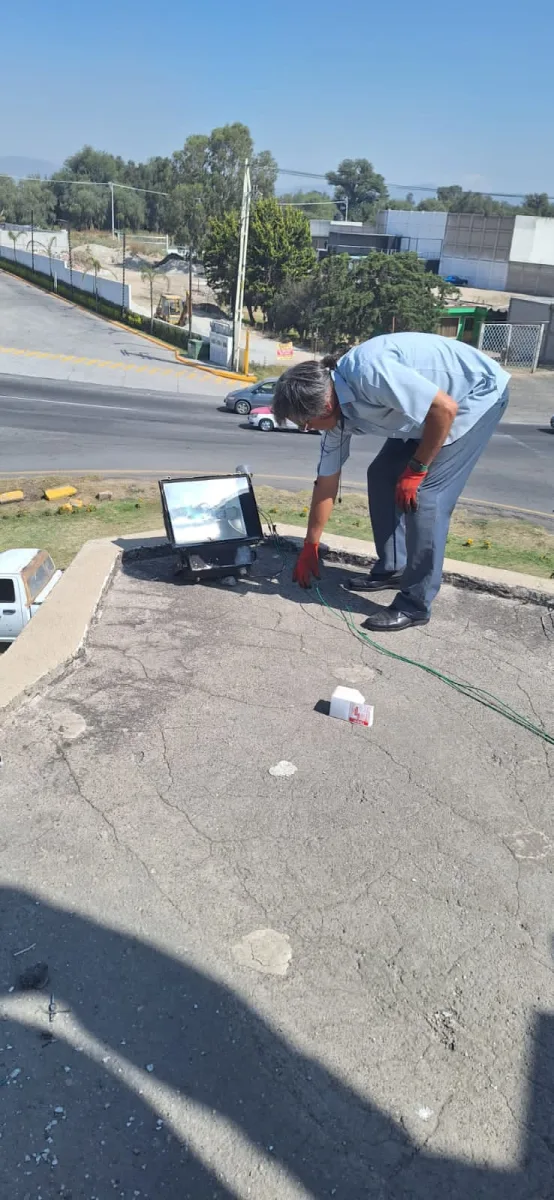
x,y
487,699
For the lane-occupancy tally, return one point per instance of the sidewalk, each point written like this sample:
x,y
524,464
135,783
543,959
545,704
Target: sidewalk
x,y
334,982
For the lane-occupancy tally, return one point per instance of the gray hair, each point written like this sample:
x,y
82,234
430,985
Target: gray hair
x,y
302,392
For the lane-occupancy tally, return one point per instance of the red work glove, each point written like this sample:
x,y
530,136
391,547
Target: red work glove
x,y
405,496
306,564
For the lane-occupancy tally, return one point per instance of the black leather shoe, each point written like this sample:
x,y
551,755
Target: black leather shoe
x,y
373,583
385,619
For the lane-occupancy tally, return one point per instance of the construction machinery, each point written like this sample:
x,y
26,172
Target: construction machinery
x,y
174,309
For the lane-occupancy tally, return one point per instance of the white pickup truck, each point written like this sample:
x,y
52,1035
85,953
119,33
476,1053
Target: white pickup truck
x,y
26,579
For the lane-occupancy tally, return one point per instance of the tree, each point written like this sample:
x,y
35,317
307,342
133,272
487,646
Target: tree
x,y
49,248
92,164
317,205
187,223
395,294
356,180
447,196
186,216
537,204
35,202
129,209
8,197
430,204
294,307
404,205
93,264
215,163
150,276
87,208
14,236
221,253
454,199
159,175
345,302
279,248
334,301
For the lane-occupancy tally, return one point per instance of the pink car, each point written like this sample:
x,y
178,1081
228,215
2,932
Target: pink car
x,y
263,418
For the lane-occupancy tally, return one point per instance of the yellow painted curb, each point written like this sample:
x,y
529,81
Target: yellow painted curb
x,y
59,493
11,497
193,362
187,362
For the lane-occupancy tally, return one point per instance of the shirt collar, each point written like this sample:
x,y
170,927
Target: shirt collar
x,y
345,395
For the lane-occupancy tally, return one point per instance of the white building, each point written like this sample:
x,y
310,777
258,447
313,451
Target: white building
x,y
422,232
507,254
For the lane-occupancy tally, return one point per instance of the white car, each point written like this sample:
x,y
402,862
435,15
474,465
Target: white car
x,y
26,579
264,419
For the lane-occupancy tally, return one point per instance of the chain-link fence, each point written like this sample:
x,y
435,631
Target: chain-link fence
x,y
512,345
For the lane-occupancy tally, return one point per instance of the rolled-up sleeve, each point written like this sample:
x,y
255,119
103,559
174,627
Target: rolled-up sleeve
x,y
335,449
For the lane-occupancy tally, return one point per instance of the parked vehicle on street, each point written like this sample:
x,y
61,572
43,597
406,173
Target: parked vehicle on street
x,y
26,579
263,418
243,400
456,280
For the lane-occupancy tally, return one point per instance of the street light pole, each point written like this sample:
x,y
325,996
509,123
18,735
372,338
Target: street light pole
x,y
113,211
241,272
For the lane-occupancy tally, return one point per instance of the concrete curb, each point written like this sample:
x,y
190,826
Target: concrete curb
x,y
56,635
511,584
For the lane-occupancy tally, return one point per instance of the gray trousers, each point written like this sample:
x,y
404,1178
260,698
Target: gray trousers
x,y
415,542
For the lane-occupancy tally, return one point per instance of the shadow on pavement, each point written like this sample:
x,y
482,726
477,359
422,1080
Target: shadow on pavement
x,y
220,1058
270,575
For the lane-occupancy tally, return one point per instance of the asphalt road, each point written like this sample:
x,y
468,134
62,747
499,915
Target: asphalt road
x,y
53,425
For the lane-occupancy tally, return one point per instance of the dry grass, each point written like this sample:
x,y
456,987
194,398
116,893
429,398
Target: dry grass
x,y
492,541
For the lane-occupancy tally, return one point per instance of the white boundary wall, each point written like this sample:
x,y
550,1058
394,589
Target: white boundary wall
x,y
107,289
479,272
44,239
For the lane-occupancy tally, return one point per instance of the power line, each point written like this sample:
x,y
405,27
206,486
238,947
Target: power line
x,y
84,183
410,187
403,187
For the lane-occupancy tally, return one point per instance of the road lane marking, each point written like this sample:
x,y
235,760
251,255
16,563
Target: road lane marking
x,y
73,404
107,364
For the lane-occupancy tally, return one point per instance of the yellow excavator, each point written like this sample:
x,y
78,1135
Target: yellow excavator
x,y
174,309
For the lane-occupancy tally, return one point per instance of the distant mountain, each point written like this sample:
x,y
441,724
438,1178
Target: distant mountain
x,y
13,164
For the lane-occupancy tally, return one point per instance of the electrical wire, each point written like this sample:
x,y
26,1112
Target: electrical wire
x,y
470,690
487,699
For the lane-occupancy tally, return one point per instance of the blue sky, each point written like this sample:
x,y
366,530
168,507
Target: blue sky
x,y
431,92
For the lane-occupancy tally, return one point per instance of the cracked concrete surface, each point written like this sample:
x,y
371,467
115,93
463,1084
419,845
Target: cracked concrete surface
x,y
397,1040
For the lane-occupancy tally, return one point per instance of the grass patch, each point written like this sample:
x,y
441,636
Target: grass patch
x,y
265,371
510,543
492,541
36,522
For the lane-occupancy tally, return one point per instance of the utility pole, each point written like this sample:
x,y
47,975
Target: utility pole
x,y
241,272
32,240
189,297
123,273
113,210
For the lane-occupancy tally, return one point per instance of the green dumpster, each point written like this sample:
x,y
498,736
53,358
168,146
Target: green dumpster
x,y
194,347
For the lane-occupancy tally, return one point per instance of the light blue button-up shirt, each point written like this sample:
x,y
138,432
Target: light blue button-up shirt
x,y
387,385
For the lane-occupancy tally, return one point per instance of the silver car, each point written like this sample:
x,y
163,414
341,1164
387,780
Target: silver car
x,y
243,400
